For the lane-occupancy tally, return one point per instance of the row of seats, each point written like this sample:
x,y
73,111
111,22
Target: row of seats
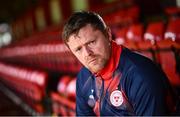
x,y
49,56
27,83
44,50
122,16
155,31
31,86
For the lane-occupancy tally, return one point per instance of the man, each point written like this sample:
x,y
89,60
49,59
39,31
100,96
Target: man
x,y
114,80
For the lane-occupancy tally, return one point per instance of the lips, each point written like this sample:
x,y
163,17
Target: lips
x,y
92,60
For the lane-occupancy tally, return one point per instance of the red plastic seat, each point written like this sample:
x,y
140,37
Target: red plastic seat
x,y
173,30
147,49
168,64
172,12
117,17
120,35
167,61
154,32
132,13
62,85
135,33
71,89
60,100
62,106
27,82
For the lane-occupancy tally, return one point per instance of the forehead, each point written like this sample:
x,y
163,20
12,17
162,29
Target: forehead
x,y
85,31
84,35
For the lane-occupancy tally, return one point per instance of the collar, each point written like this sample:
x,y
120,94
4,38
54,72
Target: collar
x,y
107,72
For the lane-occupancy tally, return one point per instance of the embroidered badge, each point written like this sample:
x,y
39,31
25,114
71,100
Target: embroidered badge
x,y
116,98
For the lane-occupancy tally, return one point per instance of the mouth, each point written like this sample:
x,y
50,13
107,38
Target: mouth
x,y
92,61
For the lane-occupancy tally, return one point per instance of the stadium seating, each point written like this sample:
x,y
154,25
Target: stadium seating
x,y
173,32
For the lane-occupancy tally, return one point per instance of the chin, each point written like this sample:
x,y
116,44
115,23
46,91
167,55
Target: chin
x,y
95,69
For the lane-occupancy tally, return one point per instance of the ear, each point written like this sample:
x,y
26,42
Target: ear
x,y
109,34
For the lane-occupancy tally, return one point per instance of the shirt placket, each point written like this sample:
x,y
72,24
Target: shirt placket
x,y
100,90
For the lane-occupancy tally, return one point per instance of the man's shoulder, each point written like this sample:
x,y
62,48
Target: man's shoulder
x,y
83,74
84,71
131,58
136,65
84,80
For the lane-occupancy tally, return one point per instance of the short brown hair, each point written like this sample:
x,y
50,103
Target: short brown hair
x,y
81,19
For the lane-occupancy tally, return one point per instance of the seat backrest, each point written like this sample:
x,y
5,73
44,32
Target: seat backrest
x,y
172,12
168,61
173,31
133,12
120,35
154,31
63,83
135,33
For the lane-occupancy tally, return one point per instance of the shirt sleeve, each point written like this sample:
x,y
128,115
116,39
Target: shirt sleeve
x,y
82,108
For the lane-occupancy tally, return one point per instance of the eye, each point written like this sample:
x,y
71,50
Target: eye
x,y
92,43
78,49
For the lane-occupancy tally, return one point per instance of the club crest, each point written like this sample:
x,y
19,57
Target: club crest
x,y
116,98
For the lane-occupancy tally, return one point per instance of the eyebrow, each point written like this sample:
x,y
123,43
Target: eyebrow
x,y
84,44
77,36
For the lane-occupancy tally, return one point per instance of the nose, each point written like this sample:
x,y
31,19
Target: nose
x,y
87,52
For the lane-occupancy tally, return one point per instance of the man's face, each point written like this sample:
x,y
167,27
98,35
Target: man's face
x,y
91,47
